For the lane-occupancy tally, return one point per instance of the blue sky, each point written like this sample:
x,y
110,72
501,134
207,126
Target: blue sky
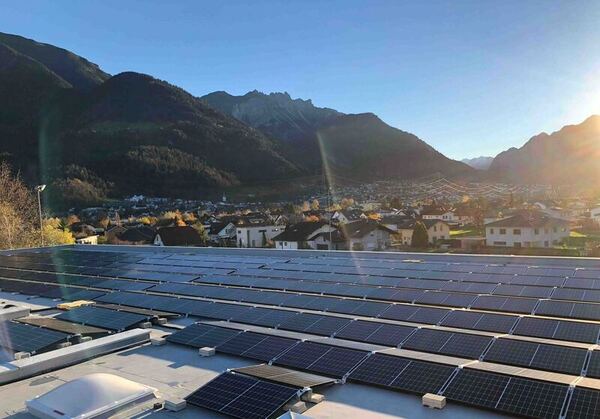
x,y
469,77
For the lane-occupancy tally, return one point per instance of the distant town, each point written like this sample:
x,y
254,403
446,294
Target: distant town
x,y
434,216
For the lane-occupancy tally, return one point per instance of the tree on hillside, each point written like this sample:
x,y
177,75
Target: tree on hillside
x,y
419,236
18,212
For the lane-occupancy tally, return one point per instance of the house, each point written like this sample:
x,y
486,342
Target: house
x,y
178,236
135,235
298,236
347,216
366,235
527,229
595,215
255,234
436,230
222,233
87,240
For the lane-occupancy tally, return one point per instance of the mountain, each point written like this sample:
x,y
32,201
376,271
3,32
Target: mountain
x,y
479,163
65,122
276,114
359,146
75,70
89,135
568,156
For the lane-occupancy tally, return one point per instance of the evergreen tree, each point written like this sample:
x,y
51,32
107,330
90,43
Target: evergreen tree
x,y
419,236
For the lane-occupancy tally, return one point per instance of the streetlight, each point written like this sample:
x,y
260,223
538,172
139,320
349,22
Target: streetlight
x,y
39,190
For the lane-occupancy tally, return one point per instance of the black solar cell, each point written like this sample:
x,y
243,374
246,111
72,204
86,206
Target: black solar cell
x,y
533,398
465,345
585,403
427,340
421,377
513,352
100,317
379,369
559,359
477,388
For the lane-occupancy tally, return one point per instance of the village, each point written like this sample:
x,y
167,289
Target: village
x,y
439,218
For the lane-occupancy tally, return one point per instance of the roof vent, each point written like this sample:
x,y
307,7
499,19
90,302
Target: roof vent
x,y
91,396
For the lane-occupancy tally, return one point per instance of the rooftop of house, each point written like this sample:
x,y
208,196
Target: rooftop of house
x,y
179,236
299,232
529,219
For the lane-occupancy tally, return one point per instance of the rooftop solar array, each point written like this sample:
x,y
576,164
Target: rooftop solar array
x,y
338,315
20,337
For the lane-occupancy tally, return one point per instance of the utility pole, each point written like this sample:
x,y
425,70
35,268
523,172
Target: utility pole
x,y
39,189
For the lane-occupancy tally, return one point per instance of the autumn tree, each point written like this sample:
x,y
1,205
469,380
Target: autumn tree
x,y
18,212
314,205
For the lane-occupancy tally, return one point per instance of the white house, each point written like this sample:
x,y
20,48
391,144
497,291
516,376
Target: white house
x,y
222,232
366,235
299,235
530,229
436,230
258,234
595,214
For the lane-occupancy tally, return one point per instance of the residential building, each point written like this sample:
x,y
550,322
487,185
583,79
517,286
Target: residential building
x,y
222,233
366,235
178,236
255,234
527,229
298,236
595,214
436,230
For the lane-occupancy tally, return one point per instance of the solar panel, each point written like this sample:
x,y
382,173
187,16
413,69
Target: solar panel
x,y
300,322
399,312
337,362
358,330
379,369
578,332
542,328
303,355
63,326
327,325
422,377
593,369
100,317
428,315
390,335
496,323
269,348
585,403
21,337
241,343
512,352
284,376
533,398
427,340
260,401
241,396
465,345
476,388
559,359
201,335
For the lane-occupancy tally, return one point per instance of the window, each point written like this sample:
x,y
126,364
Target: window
x,y
434,228
239,231
491,231
517,231
499,243
502,231
546,244
554,229
517,244
536,231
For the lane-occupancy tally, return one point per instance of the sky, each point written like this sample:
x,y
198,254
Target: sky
x,y
469,77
